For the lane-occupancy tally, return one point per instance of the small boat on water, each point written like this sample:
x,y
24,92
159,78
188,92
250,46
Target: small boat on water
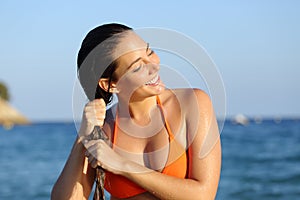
x,y
240,119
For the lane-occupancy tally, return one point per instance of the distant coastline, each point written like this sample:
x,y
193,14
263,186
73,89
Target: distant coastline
x,y
10,116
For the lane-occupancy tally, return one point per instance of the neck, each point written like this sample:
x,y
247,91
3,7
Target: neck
x,y
137,109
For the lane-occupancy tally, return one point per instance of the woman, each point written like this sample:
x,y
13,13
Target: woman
x,y
155,135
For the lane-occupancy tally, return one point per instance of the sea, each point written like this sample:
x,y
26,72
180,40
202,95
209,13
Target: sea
x,y
260,160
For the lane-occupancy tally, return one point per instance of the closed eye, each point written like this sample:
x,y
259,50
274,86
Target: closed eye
x,y
151,52
137,68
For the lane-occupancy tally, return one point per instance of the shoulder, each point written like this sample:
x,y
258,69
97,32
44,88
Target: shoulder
x,y
197,108
188,94
194,104
203,100
191,99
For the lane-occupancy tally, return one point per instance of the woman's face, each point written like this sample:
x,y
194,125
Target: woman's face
x,y
137,72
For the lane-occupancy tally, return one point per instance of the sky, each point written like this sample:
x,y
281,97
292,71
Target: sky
x,y
255,45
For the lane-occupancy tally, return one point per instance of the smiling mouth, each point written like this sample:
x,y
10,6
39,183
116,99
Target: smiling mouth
x,y
153,81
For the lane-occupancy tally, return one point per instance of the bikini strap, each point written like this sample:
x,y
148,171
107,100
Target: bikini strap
x,y
171,136
115,129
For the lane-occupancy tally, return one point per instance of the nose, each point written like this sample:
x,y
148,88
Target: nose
x,y
152,68
152,63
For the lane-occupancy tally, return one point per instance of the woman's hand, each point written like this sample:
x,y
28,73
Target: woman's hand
x,y
93,115
99,153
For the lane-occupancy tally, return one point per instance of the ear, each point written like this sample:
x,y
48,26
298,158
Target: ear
x,y
104,83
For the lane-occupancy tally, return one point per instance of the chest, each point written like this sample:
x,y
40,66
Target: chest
x,y
153,149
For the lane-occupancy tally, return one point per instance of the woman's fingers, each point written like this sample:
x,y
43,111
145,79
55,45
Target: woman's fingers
x,y
101,154
94,150
93,115
94,163
95,147
95,112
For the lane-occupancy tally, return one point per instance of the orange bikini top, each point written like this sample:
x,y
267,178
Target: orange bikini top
x,y
121,187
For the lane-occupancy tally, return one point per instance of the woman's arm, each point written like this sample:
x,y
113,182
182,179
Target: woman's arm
x,y
72,182
204,161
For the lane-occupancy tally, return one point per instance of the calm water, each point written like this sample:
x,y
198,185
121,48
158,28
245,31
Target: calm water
x,y
260,161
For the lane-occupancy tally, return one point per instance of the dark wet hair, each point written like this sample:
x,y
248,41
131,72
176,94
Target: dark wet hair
x,y
91,41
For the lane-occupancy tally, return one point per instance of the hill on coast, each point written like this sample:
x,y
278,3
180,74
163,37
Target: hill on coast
x,y
10,116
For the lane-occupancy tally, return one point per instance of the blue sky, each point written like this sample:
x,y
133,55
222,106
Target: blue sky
x,y
255,44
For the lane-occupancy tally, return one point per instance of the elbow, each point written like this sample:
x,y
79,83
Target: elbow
x,y
210,195
54,193
207,195
57,193
204,191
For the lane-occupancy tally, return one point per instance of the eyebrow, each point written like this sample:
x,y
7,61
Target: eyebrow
x,y
139,58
